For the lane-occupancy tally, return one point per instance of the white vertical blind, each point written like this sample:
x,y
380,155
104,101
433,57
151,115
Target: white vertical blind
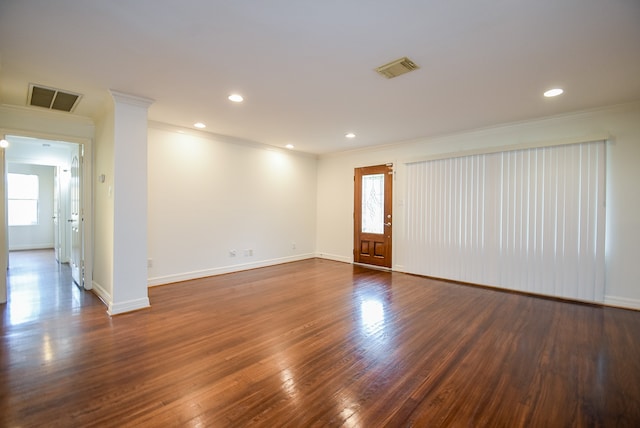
x,y
530,220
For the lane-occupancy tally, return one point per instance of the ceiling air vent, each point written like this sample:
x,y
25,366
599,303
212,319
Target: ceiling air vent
x,y
397,68
51,98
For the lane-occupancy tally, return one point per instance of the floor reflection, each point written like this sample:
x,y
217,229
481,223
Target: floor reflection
x,y
36,285
372,316
43,314
372,298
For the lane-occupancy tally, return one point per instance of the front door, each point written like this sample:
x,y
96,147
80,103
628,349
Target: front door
x,y
372,215
76,221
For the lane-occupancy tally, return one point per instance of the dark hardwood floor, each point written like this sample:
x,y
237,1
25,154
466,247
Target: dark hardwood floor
x,y
312,343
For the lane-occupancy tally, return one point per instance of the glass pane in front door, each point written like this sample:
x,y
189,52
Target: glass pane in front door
x,y
373,203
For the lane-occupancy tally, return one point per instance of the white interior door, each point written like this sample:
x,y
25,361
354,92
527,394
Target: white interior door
x,y
75,218
56,214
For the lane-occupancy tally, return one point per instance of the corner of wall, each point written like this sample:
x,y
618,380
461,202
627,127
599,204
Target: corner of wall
x,y
101,292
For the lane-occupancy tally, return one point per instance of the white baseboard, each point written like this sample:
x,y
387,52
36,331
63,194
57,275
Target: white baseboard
x,y
128,306
100,291
46,246
119,307
168,279
622,302
334,257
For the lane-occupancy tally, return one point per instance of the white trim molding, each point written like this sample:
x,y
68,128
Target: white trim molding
x,y
622,302
169,279
128,306
41,246
101,292
512,147
131,99
334,257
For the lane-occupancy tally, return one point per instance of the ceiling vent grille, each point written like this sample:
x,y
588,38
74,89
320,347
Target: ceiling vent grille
x,y
397,68
52,99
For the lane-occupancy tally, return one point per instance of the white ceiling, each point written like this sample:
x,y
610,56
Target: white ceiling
x,y
39,152
305,67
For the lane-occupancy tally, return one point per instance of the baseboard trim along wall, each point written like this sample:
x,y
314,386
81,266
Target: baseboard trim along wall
x,y
168,279
400,268
129,306
102,294
622,302
334,257
42,246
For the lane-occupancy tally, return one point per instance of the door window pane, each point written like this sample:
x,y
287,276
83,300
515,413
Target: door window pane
x,y
373,203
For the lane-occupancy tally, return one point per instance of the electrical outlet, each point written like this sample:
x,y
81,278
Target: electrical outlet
x,y
232,253
293,245
149,263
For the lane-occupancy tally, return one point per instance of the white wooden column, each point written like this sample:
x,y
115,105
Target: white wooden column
x,y
129,203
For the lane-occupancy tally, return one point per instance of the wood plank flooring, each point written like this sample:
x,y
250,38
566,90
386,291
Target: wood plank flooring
x,y
313,343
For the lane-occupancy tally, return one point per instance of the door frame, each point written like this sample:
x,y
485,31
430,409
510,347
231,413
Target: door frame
x,y
388,170
86,151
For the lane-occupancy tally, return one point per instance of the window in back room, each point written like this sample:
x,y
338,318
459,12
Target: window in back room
x,y
22,198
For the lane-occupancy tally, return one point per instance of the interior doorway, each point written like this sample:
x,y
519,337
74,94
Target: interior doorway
x,y
57,226
373,215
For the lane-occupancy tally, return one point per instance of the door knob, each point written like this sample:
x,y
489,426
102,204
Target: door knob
x,y
388,224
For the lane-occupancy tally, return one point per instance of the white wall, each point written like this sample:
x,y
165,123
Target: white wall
x,y
103,205
39,235
208,196
622,123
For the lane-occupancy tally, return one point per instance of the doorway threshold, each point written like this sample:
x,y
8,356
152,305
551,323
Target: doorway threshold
x,y
383,268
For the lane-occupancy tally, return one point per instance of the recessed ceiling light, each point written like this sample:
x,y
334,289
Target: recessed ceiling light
x,y
553,92
236,98
290,146
4,143
200,125
350,135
